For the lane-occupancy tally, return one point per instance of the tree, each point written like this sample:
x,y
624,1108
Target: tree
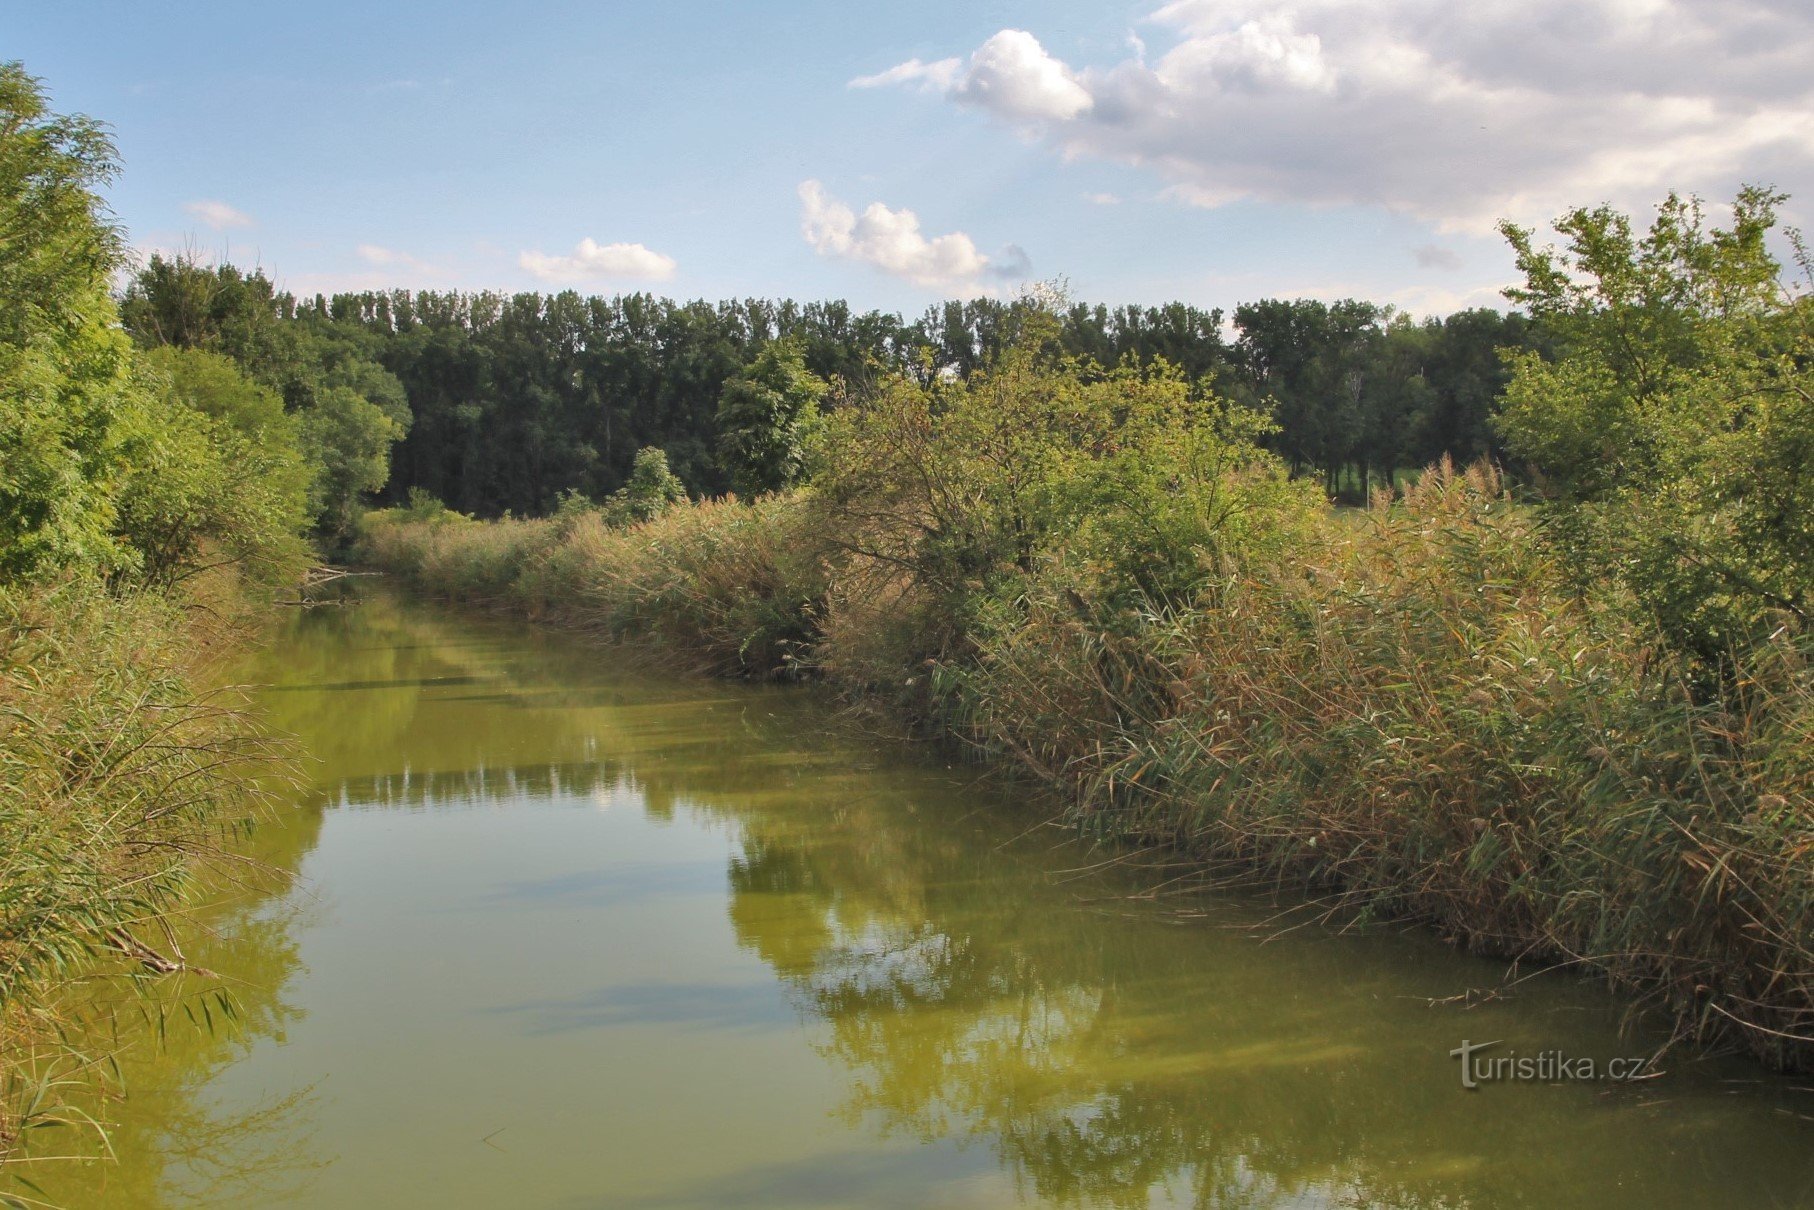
x,y
216,473
65,371
1129,483
1310,361
349,438
349,409
766,417
1673,430
651,489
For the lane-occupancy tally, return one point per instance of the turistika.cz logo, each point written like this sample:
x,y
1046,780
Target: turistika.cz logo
x,y
1544,1067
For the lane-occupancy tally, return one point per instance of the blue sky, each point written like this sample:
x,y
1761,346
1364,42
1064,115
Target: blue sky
x,y
1206,150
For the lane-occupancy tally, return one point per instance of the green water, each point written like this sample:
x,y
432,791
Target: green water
x,y
546,932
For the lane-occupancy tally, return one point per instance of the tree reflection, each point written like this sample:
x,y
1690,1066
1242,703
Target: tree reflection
x,y
1112,1058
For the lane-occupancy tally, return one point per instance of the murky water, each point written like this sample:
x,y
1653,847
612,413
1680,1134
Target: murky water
x,y
546,932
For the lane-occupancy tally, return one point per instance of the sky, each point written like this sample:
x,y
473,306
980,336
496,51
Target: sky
x,y
1211,151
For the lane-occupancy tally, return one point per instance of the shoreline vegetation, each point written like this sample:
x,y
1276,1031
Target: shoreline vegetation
x,y
1564,723
1424,724
151,500
126,786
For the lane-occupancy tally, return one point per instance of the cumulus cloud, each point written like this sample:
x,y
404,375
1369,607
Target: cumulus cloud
x,y
217,215
1457,115
1011,74
891,240
591,261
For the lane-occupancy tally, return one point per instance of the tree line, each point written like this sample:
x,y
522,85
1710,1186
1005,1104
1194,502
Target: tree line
x,y
505,403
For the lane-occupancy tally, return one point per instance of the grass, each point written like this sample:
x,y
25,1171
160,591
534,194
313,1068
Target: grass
x,y
734,586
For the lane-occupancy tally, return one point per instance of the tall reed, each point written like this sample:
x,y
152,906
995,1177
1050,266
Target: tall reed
x,y
117,777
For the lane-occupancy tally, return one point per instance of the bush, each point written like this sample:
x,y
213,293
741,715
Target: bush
x,y
1674,430
950,500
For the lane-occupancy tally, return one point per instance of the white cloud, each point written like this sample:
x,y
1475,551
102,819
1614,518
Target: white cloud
x,y
1457,115
891,240
1011,74
591,260
1102,199
372,254
217,215
935,77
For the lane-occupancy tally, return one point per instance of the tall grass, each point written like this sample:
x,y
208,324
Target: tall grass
x,y
116,778
1420,718
737,588
1425,724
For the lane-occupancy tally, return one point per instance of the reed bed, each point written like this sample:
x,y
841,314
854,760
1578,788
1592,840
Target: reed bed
x,y
118,780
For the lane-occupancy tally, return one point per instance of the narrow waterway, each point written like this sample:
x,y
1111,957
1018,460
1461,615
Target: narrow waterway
x,y
544,931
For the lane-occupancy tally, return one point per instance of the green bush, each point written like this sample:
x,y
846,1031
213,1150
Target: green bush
x,y
1674,429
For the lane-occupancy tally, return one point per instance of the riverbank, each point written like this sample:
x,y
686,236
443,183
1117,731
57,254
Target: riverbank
x,y
1417,719
122,776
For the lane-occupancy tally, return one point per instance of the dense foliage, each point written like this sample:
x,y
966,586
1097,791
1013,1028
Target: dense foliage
x,y
137,468
1674,427
348,411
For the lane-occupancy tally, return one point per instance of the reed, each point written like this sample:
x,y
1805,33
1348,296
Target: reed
x,y
1426,724
118,779
736,587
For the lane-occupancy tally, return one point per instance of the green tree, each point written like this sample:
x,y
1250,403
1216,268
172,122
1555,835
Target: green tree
x,y
350,410
65,370
1673,430
1310,363
349,438
1135,485
651,489
767,415
216,473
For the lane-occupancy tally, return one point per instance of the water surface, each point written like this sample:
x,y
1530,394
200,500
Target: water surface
x,y
550,932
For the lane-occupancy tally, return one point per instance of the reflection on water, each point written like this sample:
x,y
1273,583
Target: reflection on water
x,y
565,935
